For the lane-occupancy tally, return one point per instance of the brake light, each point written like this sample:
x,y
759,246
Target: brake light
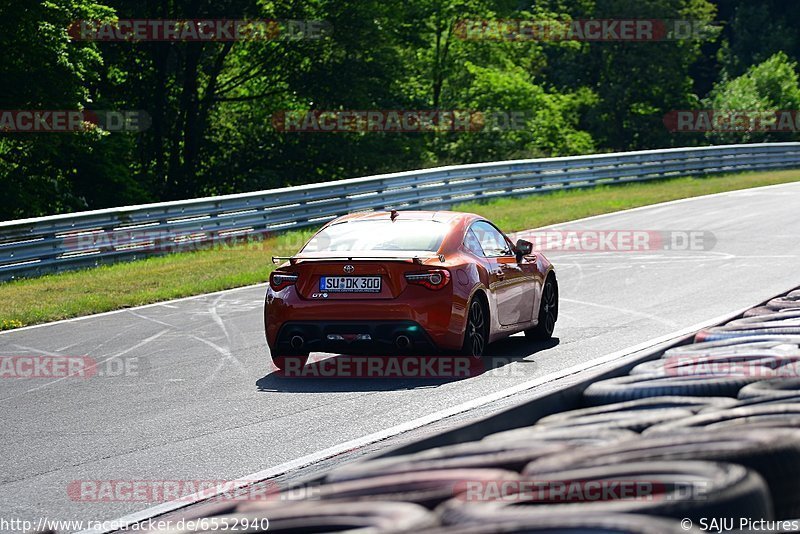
x,y
433,279
279,281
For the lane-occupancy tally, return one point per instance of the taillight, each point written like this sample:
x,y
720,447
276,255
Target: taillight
x,y
433,279
279,281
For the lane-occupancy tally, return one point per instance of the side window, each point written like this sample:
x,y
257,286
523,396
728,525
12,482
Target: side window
x,y
491,240
472,243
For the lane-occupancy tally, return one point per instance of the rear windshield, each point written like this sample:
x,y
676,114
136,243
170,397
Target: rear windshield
x,y
373,235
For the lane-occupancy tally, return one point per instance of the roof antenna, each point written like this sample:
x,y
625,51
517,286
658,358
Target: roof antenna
x,y
394,215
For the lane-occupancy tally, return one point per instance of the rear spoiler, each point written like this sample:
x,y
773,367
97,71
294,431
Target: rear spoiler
x,y
416,259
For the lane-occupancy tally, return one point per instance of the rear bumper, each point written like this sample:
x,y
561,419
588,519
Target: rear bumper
x,y
353,337
432,320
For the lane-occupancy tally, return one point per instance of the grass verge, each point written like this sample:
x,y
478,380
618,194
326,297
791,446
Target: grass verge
x,y
106,288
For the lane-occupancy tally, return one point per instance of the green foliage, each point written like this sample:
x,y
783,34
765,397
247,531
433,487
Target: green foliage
x,y
212,103
42,69
758,30
549,125
769,86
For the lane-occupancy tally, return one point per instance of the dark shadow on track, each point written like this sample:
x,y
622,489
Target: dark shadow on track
x,y
514,349
317,377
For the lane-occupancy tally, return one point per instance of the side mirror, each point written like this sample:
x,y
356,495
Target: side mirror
x,y
523,248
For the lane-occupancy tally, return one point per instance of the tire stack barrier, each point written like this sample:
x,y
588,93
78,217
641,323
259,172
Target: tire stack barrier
x,y
709,425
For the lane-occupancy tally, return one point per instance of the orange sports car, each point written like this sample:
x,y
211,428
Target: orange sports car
x,y
408,282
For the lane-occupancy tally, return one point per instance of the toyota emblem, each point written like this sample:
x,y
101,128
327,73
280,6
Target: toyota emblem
x,y
349,269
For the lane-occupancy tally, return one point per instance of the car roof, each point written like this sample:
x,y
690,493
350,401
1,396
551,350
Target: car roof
x,y
451,217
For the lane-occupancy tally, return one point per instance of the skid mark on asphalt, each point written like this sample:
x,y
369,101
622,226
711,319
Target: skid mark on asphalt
x,y
227,354
218,307
124,352
229,307
37,351
96,349
152,320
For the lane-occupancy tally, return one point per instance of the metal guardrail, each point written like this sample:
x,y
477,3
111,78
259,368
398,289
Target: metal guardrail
x,y
31,247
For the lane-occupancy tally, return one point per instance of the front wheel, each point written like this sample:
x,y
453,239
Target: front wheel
x,y
476,334
548,312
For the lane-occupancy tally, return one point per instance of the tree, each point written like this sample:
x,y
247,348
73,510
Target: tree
x,y
42,69
767,87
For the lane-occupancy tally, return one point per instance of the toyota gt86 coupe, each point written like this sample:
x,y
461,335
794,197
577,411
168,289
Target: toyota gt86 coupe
x,y
408,282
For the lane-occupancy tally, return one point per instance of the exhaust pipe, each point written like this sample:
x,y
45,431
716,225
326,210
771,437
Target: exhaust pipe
x,y
402,342
297,342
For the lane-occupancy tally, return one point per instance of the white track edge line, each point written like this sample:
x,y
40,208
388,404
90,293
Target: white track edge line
x,y
271,472
123,310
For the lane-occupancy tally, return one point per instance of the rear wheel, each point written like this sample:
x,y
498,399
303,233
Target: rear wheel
x,y
476,334
548,311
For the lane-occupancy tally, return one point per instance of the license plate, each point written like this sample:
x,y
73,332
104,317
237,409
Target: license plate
x,y
350,284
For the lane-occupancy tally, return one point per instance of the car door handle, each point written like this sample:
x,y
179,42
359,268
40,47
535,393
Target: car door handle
x,y
500,274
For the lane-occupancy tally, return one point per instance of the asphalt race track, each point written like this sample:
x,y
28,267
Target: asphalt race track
x,y
203,404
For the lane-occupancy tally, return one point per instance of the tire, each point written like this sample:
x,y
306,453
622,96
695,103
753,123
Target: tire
x,y
692,404
574,523
471,455
775,389
668,489
790,301
548,311
377,515
772,453
758,401
476,331
635,420
632,387
760,310
744,424
320,516
653,367
771,345
426,488
757,364
785,322
585,435
764,416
